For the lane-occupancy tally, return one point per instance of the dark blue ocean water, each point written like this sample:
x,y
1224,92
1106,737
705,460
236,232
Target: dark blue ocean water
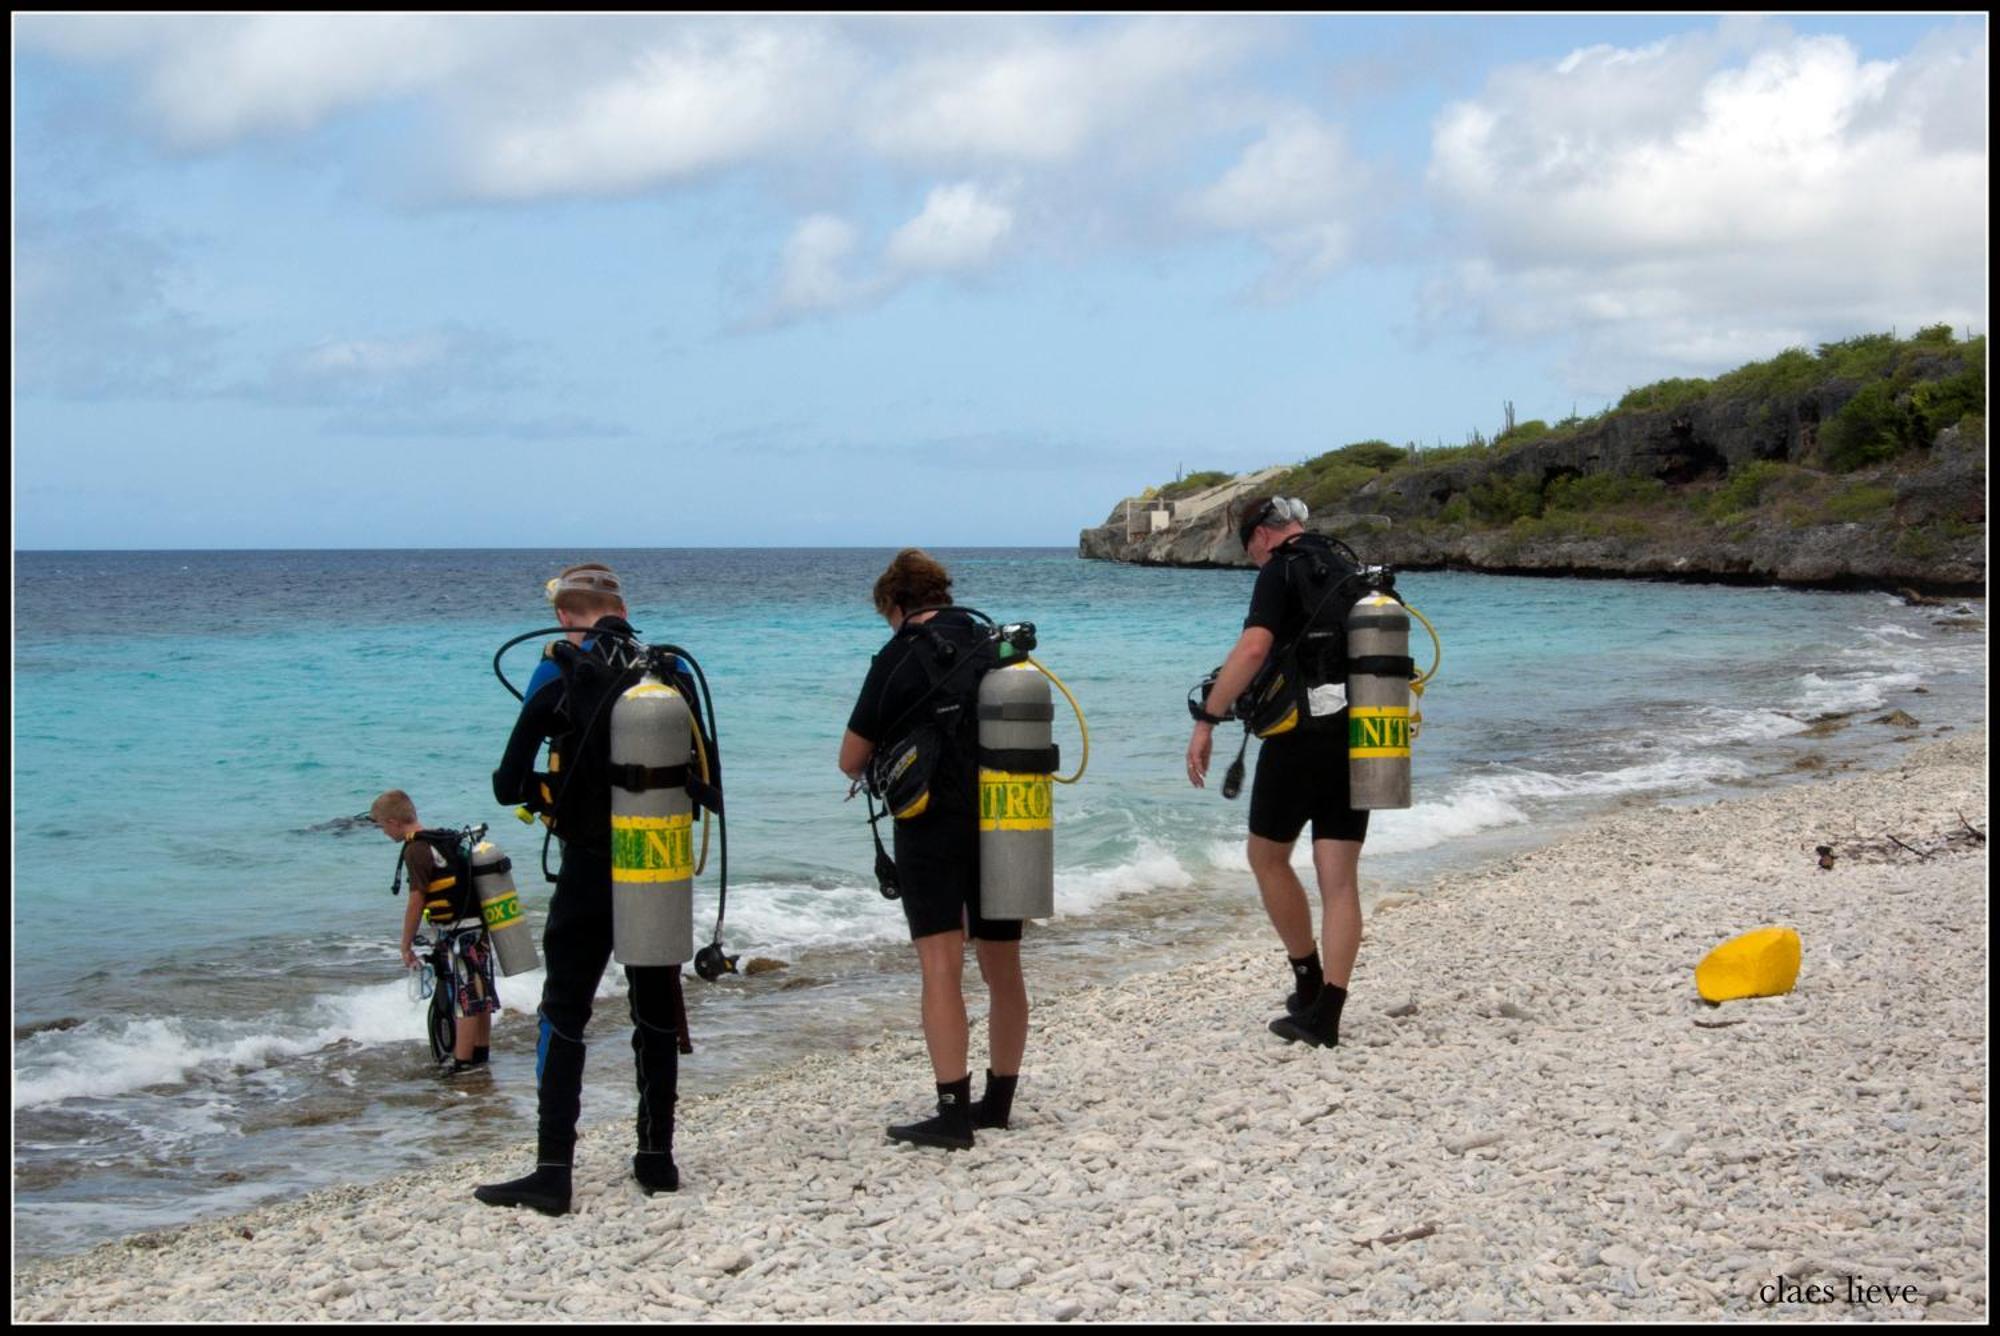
x,y
208,1005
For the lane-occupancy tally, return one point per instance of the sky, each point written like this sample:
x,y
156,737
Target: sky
x,y
389,280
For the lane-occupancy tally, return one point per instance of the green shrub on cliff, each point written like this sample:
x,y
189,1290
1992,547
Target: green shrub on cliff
x,y
1327,479
1863,501
1369,455
1745,487
1502,500
1531,430
1601,491
1194,482
1663,394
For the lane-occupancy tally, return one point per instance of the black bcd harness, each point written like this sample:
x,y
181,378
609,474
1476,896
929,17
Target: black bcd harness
x,y
450,887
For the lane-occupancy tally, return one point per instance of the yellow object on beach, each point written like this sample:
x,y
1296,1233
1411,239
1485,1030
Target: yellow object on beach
x,y
1763,962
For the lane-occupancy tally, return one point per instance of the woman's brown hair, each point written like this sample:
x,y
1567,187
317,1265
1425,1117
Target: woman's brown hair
x,y
914,580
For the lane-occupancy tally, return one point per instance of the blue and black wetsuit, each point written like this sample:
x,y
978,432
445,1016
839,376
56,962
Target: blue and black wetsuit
x,y
576,944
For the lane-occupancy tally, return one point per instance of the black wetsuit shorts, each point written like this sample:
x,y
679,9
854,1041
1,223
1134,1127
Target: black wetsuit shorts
x,y
1300,778
937,865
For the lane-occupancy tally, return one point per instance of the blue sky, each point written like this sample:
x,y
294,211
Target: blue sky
x,y
401,280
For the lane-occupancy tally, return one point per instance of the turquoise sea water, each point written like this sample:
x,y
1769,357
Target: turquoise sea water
x,y
208,1006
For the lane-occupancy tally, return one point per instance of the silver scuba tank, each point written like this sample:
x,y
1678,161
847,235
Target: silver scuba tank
x,y
652,827
1017,838
500,906
1378,704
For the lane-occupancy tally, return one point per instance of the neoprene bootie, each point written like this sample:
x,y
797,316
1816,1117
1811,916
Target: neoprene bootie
x,y
656,1171
952,1128
992,1108
1318,1024
1306,974
546,1190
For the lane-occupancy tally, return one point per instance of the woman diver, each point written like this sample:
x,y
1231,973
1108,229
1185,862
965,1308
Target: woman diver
x,y
916,708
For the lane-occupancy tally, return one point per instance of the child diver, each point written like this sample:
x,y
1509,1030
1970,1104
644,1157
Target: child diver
x,y
441,891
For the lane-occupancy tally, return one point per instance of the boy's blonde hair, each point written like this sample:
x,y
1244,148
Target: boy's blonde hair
x,y
588,589
394,805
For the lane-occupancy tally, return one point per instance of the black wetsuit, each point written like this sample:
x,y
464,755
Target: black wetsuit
x,y
576,944
937,854
1301,775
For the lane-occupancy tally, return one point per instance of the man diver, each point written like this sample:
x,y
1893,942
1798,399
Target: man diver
x,y
561,705
1302,772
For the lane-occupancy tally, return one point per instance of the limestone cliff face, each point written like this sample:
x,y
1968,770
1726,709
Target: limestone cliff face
x,y
1928,533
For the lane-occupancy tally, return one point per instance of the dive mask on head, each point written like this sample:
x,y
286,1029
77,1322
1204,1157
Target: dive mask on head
x,y
1276,512
587,579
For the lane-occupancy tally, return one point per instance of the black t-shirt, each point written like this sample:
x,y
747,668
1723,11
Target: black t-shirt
x,y
895,698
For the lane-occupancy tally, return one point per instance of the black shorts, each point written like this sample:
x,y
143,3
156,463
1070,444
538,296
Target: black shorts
x,y
1301,778
937,865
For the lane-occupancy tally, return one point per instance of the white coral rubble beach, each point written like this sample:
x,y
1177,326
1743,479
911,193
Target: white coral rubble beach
x,y
1530,1115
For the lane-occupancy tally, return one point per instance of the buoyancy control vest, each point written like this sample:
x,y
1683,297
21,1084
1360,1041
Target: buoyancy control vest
x,y
1302,686
929,762
576,792
449,896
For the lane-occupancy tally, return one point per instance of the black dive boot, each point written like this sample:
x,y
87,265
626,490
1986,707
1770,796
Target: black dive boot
x,y
546,1190
952,1128
1306,972
656,1060
557,1097
1318,1024
992,1108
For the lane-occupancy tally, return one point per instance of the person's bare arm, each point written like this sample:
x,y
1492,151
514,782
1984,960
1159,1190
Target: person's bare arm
x,y
1252,648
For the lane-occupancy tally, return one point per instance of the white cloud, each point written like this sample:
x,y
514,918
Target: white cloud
x,y
97,312
811,276
212,80
701,98
1036,95
959,228
1714,198
1300,190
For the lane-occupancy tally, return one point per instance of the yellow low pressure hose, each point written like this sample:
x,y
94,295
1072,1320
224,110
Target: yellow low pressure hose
x,y
1417,684
1084,762
1437,645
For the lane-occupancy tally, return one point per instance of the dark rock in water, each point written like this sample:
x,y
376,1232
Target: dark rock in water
x,y
762,965
1810,761
1832,723
1898,718
341,825
60,1023
801,982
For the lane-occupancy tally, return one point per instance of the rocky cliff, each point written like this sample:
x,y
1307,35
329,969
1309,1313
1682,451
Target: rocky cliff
x,y
1918,522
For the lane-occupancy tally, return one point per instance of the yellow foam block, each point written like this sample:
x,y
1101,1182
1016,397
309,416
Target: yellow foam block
x,y
1763,962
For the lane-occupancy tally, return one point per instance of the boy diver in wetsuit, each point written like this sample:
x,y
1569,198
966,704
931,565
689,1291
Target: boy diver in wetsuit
x,y
470,962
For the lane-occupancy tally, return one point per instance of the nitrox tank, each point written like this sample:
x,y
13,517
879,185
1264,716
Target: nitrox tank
x,y
1017,835
1378,704
500,906
652,827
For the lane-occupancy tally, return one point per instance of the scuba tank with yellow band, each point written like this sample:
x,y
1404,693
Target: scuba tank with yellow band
x,y
500,907
652,826
1018,760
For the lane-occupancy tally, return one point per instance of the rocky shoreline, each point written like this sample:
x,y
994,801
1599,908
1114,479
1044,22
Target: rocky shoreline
x,y
1929,534
1530,1116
